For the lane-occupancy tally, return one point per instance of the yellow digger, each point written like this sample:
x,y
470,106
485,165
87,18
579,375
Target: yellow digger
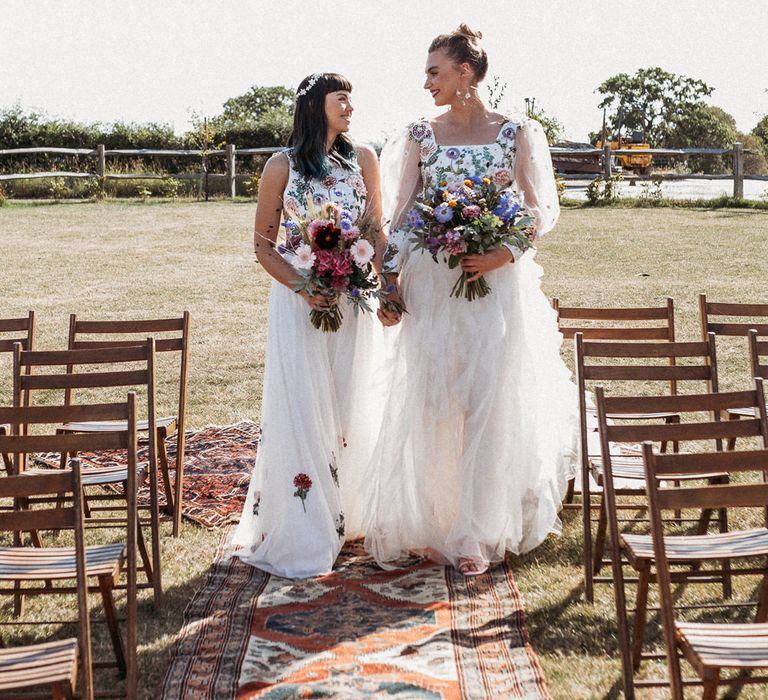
x,y
640,162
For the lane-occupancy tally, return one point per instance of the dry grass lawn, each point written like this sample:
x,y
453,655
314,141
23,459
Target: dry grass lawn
x,y
127,260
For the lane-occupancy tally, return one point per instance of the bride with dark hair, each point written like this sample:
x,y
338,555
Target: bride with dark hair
x,y
318,417
480,428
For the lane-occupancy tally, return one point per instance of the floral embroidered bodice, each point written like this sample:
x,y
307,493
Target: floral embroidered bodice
x,y
342,186
452,164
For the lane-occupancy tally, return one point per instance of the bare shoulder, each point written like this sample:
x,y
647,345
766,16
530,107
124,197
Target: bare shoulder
x,y
365,153
277,164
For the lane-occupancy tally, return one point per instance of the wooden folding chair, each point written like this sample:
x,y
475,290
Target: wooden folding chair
x,y
108,370
51,664
710,647
631,361
123,334
690,550
20,330
611,324
26,571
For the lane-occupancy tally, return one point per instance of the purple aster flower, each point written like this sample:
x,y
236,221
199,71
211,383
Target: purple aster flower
x,y
443,213
346,215
318,199
354,293
453,153
290,225
346,224
414,220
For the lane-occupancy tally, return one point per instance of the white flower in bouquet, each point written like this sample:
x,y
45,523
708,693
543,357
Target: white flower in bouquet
x,y
361,251
305,258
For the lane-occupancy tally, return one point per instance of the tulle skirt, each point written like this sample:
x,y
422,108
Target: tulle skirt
x,y
480,426
319,420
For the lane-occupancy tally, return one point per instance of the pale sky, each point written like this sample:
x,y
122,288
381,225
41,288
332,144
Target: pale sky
x,y
155,60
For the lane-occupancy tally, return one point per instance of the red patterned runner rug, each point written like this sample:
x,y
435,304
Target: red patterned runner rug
x,y
422,631
218,461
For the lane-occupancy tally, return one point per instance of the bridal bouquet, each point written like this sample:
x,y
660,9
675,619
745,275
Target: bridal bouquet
x,y
333,257
469,219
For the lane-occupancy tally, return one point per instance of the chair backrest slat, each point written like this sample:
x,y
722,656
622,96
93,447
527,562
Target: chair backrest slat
x,y
595,333
84,381
70,442
737,329
135,352
59,481
757,349
668,432
11,325
613,314
670,465
647,372
645,350
38,519
681,403
161,344
63,414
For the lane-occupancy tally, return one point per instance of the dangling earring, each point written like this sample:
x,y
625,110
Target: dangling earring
x,y
467,94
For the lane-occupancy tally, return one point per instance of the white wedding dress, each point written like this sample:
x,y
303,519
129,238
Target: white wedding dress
x,y
480,430
318,417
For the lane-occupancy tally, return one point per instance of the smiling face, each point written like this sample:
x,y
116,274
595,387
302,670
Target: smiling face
x,y
338,111
445,77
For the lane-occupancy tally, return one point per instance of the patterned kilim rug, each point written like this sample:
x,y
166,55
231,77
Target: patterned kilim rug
x,y
217,468
420,632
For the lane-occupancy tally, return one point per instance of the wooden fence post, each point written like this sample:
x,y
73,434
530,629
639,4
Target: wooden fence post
x,y
100,161
738,170
607,160
231,169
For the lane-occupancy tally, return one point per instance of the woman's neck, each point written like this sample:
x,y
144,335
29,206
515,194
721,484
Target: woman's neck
x,y
468,112
330,139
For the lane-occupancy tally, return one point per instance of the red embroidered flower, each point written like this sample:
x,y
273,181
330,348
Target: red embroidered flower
x,y
302,481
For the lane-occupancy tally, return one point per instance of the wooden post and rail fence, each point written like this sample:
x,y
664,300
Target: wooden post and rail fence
x,y
230,153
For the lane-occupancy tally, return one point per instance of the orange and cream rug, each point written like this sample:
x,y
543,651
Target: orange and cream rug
x,y
424,631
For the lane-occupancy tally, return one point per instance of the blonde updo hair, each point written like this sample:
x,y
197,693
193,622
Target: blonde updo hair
x,y
463,46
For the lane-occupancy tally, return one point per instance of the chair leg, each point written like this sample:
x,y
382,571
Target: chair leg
x,y
711,681
726,563
62,691
162,453
586,511
602,526
762,601
641,614
178,485
105,587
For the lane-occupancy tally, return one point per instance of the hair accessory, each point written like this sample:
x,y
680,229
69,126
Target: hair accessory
x,y
312,80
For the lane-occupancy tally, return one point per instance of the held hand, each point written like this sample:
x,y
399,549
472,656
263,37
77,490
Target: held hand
x,y
317,301
485,262
391,308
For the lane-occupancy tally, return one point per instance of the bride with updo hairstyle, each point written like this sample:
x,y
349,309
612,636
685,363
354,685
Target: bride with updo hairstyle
x,y
479,436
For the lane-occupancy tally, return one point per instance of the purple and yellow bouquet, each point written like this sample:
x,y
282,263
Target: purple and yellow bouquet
x,y
470,218
333,257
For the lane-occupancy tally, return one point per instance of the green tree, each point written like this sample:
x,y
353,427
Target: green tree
x,y
653,100
552,126
706,126
259,102
761,130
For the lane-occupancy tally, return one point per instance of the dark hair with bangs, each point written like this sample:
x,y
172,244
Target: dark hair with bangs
x,y
310,128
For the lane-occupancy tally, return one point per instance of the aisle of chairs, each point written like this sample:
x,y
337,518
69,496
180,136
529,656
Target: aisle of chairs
x,y
96,394
688,463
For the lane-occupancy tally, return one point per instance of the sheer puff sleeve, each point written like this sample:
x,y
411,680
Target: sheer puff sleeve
x,y
400,184
535,176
